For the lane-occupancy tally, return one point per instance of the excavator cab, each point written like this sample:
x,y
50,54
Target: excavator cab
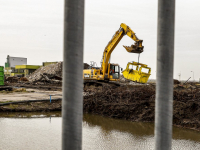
x,y
114,71
137,72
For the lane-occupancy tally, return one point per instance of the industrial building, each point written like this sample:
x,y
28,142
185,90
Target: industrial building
x,y
17,66
23,70
13,61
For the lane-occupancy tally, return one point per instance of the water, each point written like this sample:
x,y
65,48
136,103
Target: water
x,y
43,131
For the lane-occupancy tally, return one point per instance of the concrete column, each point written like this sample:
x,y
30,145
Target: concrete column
x,y
164,79
72,103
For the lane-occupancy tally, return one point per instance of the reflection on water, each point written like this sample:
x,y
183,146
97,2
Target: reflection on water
x,y
33,131
108,125
115,134
141,133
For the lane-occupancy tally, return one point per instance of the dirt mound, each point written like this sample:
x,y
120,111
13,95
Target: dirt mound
x,y
137,103
131,104
176,81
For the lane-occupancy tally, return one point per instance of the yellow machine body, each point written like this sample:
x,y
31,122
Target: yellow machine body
x,y
96,73
137,74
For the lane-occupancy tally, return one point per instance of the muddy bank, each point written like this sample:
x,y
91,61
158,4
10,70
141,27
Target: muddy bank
x,y
48,87
30,114
137,103
31,106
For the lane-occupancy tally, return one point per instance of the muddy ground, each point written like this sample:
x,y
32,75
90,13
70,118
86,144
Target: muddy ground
x,y
130,102
32,106
137,103
49,87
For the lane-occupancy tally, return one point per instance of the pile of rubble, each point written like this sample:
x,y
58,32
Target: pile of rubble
x,y
50,74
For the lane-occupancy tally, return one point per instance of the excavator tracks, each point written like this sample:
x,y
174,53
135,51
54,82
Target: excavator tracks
x,y
102,84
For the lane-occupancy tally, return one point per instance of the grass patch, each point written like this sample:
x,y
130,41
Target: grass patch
x,y
6,101
11,106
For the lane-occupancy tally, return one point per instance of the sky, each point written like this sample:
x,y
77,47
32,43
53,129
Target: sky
x,y
34,29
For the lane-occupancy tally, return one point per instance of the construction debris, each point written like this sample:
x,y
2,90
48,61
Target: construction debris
x,y
23,79
19,90
11,79
50,74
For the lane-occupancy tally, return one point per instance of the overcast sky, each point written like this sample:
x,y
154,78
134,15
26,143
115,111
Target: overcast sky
x,y
34,29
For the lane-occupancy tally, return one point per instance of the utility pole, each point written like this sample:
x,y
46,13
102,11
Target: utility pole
x,y
193,75
179,76
164,83
72,102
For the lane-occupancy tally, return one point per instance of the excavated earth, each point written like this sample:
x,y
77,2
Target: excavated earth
x,y
137,103
128,102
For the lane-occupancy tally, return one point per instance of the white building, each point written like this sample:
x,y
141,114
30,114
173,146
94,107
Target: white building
x,y
12,61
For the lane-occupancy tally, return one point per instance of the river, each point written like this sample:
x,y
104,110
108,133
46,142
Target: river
x,y
38,131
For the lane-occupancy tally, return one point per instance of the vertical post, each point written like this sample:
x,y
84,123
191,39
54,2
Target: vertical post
x,y
164,86
193,76
72,102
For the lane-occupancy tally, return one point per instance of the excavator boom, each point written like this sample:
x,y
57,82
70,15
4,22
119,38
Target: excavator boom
x,y
123,30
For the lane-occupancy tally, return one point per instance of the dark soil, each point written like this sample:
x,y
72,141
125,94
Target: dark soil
x,y
49,87
137,103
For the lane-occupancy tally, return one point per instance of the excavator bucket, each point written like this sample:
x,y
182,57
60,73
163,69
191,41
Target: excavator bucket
x,y
138,74
134,49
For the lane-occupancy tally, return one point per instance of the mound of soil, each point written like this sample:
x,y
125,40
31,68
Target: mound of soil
x,y
138,104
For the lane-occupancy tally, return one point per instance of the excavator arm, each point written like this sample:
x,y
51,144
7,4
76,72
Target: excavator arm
x,y
123,30
137,47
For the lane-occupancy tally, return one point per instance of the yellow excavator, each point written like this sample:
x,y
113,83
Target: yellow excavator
x,y
109,71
